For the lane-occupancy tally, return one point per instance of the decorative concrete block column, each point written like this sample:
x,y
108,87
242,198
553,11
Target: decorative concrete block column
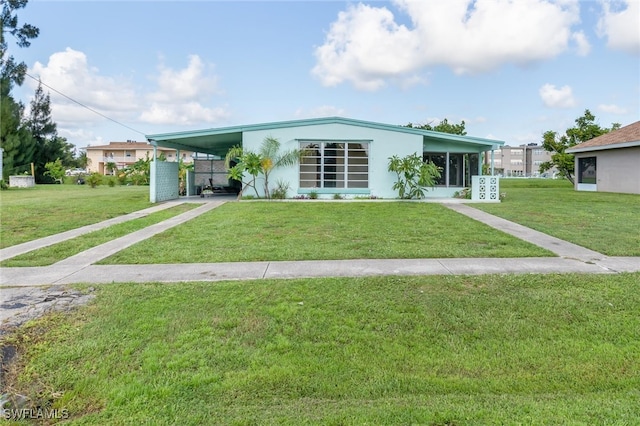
x,y
485,189
164,184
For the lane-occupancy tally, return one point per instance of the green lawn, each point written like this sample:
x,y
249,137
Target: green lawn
x,y
57,252
260,231
31,213
481,350
605,222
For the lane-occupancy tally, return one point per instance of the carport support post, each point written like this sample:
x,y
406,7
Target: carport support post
x,y
153,193
492,171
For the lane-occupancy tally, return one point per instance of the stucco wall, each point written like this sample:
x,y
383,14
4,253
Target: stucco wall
x,y
383,145
617,170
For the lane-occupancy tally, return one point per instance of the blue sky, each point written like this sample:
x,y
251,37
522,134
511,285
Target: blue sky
x,y
511,69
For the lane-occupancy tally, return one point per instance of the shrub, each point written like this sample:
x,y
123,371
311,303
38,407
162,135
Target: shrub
x,y
337,197
313,195
463,193
94,179
280,191
413,174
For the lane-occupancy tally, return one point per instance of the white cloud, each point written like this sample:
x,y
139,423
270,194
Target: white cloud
x,y
582,44
612,109
368,47
620,23
180,97
557,97
69,72
196,81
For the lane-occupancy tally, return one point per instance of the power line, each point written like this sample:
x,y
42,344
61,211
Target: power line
x,y
85,106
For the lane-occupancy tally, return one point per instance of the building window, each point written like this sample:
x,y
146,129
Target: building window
x,y
334,165
516,152
439,160
587,170
516,162
456,169
538,152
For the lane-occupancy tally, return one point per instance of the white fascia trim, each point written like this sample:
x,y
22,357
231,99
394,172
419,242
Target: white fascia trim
x,y
604,147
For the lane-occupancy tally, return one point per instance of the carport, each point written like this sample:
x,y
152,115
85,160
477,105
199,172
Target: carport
x,y
211,146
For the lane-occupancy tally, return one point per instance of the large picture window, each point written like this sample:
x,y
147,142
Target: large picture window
x,y
587,170
334,165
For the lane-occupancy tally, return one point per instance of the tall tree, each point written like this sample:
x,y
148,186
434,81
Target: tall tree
x,y
586,128
444,126
44,132
48,145
15,139
10,71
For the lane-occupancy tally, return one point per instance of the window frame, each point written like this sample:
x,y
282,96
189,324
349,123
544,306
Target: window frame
x,y
583,164
336,170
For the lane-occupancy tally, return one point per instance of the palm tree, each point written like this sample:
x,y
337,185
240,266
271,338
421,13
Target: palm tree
x,y
272,158
261,162
83,162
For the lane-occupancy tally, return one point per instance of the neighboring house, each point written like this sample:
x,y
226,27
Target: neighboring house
x,y
105,159
344,156
610,162
523,160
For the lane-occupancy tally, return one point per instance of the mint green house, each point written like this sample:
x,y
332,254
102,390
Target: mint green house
x,y
342,156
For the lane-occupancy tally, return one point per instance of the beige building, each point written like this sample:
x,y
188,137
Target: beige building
x,y
610,162
117,155
521,161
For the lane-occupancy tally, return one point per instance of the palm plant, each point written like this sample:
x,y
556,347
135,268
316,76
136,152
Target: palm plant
x,y
262,163
272,158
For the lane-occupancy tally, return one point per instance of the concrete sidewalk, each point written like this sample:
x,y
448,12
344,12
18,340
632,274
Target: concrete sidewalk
x,y
29,292
81,269
105,274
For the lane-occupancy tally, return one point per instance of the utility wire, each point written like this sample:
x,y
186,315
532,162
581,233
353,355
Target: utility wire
x,y
85,106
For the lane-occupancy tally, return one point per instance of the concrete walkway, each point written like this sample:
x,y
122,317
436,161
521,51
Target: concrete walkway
x,y
29,292
18,249
81,268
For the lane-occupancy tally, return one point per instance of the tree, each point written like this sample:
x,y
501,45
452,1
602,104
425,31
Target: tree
x,y
272,158
586,128
55,170
258,163
10,71
42,130
444,126
245,162
413,174
83,161
14,137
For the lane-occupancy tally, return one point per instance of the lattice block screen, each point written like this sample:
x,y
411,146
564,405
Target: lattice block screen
x,y
164,181
210,169
485,188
